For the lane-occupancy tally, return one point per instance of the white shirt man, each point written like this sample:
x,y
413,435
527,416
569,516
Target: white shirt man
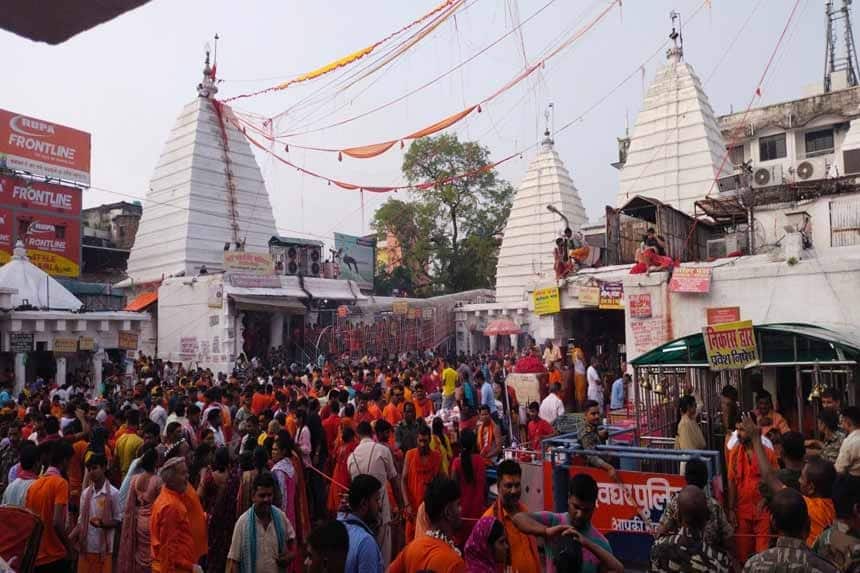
x,y
375,459
551,407
848,460
595,385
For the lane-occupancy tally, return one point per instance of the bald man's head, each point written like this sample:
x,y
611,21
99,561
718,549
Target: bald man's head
x,y
693,507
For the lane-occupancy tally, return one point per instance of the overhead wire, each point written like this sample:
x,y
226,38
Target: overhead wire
x,y
375,149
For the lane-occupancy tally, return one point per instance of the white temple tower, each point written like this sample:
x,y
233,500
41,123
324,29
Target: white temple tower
x,y
526,254
201,196
676,148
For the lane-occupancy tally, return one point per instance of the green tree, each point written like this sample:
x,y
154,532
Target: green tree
x,y
453,226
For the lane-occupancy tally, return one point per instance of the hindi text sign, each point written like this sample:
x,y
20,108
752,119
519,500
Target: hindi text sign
x,y
20,342
691,279
546,301
724,314
240,261
127,340
612,295
66,345
620,507
589,295
400,307
731,345
640,305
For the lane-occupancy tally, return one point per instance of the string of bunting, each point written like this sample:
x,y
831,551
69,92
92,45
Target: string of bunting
x,y
356,187
376,149
443,11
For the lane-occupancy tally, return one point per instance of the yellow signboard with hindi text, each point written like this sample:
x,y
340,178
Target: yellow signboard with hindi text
x,y
731,345
546,301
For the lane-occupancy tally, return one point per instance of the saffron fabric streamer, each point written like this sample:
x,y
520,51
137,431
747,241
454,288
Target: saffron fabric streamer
x,y
353,57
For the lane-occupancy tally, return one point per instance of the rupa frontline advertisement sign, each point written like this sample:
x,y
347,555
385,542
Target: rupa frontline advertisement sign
x,y
60,199
46,217
53,243
44,148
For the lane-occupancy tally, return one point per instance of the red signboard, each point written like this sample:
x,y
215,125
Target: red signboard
x,y
44,148
634,507
724,314
7,229
689,279
53,243
640,305
18,192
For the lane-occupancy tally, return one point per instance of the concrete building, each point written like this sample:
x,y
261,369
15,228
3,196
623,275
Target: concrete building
x,y
108,233
43,321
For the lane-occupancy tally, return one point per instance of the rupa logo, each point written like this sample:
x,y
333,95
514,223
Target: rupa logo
x,y
31,127
37,228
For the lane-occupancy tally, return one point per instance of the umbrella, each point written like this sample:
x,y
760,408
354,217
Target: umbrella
x,y
502,327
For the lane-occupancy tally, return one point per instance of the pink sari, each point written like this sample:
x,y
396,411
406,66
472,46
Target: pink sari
x,y
135,553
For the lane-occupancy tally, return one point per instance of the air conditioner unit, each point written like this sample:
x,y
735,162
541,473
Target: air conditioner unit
x,y
730,185
766,176
719,248
812,168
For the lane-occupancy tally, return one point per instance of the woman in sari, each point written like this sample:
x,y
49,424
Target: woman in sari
x,y
257,465
439,443
470,471
135,552
218,489
341,470
288,470
487,550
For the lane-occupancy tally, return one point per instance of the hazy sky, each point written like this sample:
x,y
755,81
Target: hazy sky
x,y
126,82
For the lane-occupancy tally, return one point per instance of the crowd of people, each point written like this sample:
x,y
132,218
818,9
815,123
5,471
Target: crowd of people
x,y
382,465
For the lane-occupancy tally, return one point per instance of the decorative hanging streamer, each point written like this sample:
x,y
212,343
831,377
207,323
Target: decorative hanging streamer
x,y
376,149
449,5
425,84
369,188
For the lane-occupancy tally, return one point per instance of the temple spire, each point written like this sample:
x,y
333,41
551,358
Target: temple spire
x,y
676,52
207,87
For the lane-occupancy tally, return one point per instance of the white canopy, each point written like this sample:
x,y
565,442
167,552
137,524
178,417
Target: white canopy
x,y
34,285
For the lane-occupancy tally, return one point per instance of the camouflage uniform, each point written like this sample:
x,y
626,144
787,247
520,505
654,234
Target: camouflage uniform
x,y
789,555
830,451
589,439
839,545
686,551
717,530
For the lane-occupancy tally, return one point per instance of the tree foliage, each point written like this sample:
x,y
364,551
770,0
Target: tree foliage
x,y
448,234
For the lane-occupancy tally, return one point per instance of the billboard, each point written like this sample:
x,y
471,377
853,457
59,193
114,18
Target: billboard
x,y
7,230
53,243
44,148
60,199
356,259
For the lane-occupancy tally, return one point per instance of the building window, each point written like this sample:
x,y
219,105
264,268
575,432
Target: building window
x,y
60,231
736,155
23,227
819,142
771,147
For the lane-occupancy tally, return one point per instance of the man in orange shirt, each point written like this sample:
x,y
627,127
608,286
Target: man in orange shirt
x,y
48,497
393,412
746,508
178,524
423,404
524,552
420,466
816,482
435,551
768,417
